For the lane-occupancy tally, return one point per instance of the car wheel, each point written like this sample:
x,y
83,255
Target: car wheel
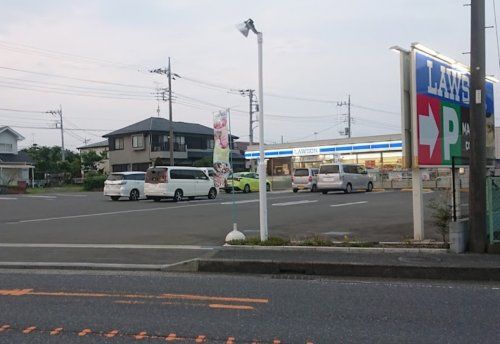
x,y
212,194
370,187
246,189
324,192
268,187
295,190
348,189
314,188
178,195
134,195
115,198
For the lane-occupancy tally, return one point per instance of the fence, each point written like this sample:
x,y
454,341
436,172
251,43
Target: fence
x,y
493,208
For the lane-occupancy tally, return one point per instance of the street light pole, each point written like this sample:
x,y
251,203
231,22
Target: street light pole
x,y
244,28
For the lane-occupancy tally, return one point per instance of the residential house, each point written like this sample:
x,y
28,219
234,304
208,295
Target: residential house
x,y
142,144
14,165
100,148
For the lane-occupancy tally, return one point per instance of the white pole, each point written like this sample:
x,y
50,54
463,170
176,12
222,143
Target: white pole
x,y
262,159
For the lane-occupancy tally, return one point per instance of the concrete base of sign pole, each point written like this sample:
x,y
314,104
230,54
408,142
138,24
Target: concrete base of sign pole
x,y
235,234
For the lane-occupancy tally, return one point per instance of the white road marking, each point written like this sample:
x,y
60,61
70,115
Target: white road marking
x,y
69,195
108,246
257,200
107,213
242,202
39,196
8,198
345,204
293,203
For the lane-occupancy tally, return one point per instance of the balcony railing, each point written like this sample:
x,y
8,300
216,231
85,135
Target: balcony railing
x,y
165,147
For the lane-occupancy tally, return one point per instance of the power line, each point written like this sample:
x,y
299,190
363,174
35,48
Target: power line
x,y
18,110
375,109
75,78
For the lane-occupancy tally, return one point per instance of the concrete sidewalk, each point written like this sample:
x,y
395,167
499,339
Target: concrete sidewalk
x,y
355,262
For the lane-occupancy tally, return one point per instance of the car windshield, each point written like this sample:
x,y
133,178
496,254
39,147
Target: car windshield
x,y
301,172
329,169
113,177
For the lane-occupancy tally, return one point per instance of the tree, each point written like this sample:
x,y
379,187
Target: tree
x,y
89,160
48,160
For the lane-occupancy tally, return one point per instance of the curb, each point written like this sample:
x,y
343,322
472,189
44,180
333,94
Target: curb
x,y
348,270
338,249
81,266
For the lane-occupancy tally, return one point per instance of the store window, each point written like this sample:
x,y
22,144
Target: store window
x,y
371,161
392,160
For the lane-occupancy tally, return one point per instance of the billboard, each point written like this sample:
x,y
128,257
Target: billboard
x,y
441,113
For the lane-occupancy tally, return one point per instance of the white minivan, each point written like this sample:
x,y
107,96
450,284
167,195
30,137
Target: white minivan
x,y
343,177
177,182
125,184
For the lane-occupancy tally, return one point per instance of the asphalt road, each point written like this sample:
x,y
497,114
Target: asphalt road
x,y
90,218
91,307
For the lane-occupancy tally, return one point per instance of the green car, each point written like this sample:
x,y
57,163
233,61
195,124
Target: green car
x,y
244,181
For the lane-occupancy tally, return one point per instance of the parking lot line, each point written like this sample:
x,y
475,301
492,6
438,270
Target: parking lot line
x,y
242,202
294,203
345,204
39,196
108,213
8,198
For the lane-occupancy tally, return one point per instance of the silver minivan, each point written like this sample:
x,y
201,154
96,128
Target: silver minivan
x,y
305,179
343,177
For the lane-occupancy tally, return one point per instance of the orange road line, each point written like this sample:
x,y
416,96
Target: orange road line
x,y
200,339
230,340
111,334
144,296
309,342
238,307
29,329
4,328
171,337
213,298
85,332
15,292
56,331
276,341
141,335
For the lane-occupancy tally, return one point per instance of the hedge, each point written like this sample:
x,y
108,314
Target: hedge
x,y
94,183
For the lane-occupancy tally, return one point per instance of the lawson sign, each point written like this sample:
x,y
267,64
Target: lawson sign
x,y
442,115
334,149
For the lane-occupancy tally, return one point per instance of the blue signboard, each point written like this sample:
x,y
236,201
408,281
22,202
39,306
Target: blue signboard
x,y
442,98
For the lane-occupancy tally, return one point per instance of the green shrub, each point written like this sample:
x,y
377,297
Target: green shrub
x,y
272,241
95,182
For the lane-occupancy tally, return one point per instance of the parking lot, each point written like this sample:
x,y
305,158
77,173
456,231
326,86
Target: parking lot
x,y
90,218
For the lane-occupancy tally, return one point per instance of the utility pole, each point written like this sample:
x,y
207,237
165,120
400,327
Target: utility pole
x,y
59,113
253,106
168,72
347,131
477,178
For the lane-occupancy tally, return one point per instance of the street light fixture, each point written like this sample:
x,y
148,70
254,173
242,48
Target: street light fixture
x,y
245,28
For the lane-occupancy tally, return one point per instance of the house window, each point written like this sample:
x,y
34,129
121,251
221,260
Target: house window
x,y
180,140
6,148
137,141
119,143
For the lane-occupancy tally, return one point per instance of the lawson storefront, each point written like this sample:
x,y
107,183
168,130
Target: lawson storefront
x,y
377,153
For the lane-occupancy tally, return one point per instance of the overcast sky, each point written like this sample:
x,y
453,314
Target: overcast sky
x,y
323,50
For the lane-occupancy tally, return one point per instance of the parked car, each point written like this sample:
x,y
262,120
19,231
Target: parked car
x,y
125,184
178,182
245,181
305,179
345,177
209,171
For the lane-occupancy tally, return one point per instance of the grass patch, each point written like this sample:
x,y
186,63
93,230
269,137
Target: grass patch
x,y
54,189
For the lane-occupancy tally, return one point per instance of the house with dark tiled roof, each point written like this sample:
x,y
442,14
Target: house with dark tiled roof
x,y
139,145
15,166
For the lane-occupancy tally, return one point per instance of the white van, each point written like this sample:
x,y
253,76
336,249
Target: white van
x,y
343,177
125,184
209,171
177,182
